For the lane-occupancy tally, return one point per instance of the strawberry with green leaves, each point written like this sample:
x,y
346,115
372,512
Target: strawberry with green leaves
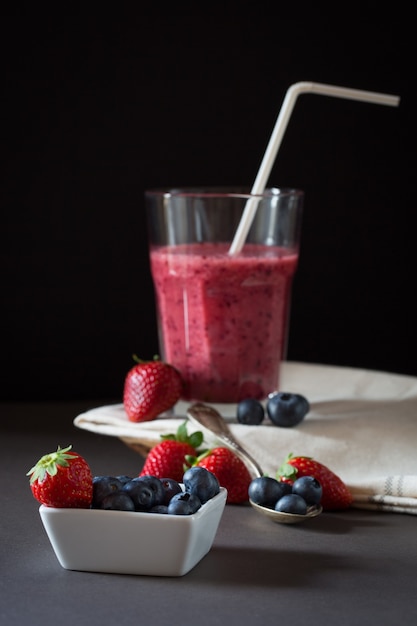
x,y
150,388
229,470
62,479
336,494
168,458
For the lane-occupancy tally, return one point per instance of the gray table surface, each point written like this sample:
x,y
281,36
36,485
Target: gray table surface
x,y
351,568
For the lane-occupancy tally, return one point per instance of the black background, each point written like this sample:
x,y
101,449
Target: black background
x,y
100,108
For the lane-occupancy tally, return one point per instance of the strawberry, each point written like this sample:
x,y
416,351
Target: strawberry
x,y
62,479
168,458
150,388
229,470
335,496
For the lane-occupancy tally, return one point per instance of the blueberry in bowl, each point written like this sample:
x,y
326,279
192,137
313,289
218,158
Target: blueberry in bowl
x,y
139,527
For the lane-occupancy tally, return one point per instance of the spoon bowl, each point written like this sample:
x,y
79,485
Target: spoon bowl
x,y
286,518
210,419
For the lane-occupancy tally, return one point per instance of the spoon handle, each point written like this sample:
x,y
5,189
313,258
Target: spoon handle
x,y
210,419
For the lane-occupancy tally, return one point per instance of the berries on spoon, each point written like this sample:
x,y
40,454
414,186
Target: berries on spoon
x,y
62,479
286,497
150,388
266,490
336,494
309,488
286,409
292,503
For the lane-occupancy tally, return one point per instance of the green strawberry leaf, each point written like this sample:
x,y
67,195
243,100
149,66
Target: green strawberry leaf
x,y
195,439
182,434
169,437
48,464
286,470
195,460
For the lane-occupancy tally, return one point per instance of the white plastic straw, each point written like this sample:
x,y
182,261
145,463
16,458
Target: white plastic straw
x,y
276,138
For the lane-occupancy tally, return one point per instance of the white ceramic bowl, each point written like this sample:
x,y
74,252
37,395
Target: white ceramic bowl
x,y
124,542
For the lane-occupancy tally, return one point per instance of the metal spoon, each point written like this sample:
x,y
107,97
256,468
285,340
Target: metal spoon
x,y
210,419
286,518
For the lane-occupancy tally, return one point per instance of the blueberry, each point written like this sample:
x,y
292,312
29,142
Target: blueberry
x,y
117,501
286,409
250,411
142,494
124,479
171,487
292,503
308,488
266,491
183,504
199,482
155,484
159,508
103,486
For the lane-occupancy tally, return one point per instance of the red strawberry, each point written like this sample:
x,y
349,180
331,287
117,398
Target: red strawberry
x,y
335,496
167,459
62,479
150,388
230,471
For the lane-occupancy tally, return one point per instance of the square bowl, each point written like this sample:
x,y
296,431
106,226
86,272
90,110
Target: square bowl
x,y
125,542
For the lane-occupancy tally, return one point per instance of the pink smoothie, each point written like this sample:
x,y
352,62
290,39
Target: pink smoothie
x,y
223,320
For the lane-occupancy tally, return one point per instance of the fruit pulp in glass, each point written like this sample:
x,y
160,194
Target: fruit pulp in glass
x,y
223,319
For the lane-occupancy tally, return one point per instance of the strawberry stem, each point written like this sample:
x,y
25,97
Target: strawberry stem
x,y
139,361
195,439
48,464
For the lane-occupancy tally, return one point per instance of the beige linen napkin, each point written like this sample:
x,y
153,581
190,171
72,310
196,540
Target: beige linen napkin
x,y
362,424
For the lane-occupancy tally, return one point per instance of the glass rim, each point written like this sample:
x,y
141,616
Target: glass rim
x,y
224,192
